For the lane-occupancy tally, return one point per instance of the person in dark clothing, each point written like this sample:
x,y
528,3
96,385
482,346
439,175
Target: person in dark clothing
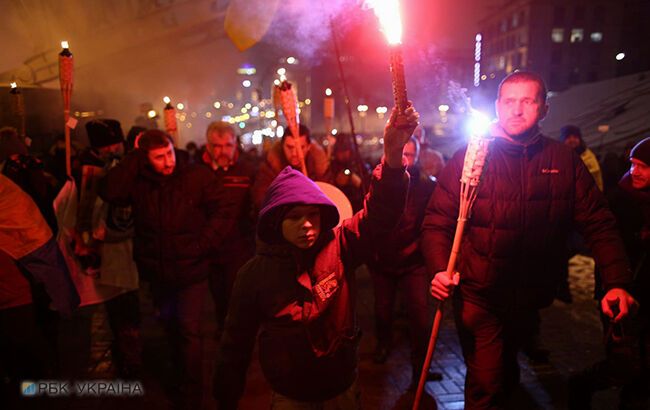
x,y
181,217
300,287
400,265
533,191
627,364
285,153
344,172
104,237
236,177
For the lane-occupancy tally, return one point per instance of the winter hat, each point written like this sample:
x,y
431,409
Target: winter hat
x,y
288,189
11,143
105,132
570,130
641,151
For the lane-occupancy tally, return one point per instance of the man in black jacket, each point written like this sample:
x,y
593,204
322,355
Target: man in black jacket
x,y
533,192
235,176
181,216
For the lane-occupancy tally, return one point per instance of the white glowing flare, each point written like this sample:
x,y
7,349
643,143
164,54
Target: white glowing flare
x,y
328,92
64,44
388,13
14,85
180,106
167,100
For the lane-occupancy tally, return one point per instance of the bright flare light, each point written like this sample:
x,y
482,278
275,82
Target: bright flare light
x,y
14,85
478,124
64,44
443,108
388,13
166,100
328,92
246,83
152,114
620,56
180,106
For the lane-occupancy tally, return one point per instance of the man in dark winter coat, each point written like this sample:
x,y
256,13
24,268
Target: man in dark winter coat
x,y
400,265
235,176
181,216
286,153
533,191
627,363
300,288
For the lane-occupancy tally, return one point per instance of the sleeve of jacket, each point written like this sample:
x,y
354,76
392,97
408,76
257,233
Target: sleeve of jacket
x,y
238,340
440,217
263,180
598,225
220,208
117,186
383,208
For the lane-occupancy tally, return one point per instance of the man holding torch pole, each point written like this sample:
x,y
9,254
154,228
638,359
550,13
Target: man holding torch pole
x,y
533,191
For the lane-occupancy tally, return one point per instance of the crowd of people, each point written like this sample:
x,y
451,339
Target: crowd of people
x,y
260,237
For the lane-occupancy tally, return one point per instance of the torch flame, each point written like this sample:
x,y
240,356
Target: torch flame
x,y
166,100
64,44
14,85
388,13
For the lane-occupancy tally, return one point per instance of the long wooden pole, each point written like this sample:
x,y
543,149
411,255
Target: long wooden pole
x,y
451,267
66,69
346,98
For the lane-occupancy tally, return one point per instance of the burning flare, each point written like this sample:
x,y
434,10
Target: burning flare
x,y
388,13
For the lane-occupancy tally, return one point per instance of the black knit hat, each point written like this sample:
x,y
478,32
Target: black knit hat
x,y
641,151
570,130
105,132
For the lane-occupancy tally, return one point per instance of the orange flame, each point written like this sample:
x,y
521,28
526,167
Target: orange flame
x,y
388,13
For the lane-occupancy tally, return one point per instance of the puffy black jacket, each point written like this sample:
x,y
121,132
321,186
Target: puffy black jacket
x,y
401,253
179,219
529,199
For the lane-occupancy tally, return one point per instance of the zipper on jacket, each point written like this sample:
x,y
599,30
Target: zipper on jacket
x,y
522,261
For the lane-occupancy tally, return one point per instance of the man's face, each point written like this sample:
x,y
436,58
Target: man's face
x,y
640,172
519,107
411,154
572,141
301,226
290,147
163,160
222,148
111,151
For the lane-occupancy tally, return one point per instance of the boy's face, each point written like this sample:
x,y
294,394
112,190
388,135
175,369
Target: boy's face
x,y
301,226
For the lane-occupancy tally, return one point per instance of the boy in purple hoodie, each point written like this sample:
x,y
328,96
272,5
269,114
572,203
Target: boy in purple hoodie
x,y
299,289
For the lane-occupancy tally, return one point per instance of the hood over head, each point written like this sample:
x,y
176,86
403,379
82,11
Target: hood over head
x,y
288,189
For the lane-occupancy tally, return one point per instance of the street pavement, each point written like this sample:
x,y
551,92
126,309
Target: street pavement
x,y
571,332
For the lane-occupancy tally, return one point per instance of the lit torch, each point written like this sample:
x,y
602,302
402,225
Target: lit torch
x,y
388,13
171,126
66,70
18,106
328,110
289,104
473,165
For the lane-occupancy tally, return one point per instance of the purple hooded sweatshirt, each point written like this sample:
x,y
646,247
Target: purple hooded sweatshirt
x,y
303,300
